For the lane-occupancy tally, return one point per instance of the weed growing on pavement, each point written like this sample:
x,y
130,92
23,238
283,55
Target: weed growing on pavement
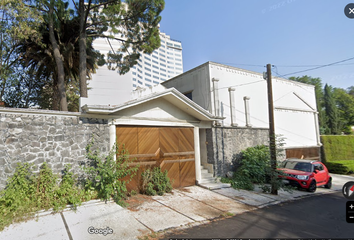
x,y
155,182
108,175
27,192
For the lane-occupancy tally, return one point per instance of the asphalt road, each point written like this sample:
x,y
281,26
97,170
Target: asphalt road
x,y
321,216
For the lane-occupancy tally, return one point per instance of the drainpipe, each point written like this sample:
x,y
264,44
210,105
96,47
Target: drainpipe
x,y
247,111
232,106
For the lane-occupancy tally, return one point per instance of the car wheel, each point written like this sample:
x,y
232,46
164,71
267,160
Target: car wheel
x,y
329,183
312,187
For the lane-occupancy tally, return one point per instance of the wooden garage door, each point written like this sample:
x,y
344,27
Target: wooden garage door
x,y
170,148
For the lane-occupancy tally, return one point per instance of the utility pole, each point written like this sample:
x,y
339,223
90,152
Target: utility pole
x,y
272,145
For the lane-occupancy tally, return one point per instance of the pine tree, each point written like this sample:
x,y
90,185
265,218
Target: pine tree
x,y
331,110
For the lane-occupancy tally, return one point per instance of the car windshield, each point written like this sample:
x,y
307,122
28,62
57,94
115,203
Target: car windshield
x,y
301,166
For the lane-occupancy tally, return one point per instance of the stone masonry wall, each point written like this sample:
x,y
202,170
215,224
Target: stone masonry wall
x,y
224,142
48,137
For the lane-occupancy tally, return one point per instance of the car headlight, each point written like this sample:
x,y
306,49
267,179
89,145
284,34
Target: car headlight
x,y
302,177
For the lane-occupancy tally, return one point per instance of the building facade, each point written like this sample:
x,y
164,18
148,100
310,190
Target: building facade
x,y
164,63
240,97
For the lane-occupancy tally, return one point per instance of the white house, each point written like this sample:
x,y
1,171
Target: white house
x,y
240,96
226,106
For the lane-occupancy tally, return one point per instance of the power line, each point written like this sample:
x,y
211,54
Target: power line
x,y
322,66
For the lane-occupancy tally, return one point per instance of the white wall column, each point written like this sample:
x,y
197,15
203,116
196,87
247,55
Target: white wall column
x,y
216,97
112,135
317,128
198,173
247,111
232,106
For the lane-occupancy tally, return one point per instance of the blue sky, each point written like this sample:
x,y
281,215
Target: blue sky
x,y
251,33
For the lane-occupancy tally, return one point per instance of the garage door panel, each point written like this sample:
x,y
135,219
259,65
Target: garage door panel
x,y
169,139
186,140
129,137
135,182
173,173
187,173
148,140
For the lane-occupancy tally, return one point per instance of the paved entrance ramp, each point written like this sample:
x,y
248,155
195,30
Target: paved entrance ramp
x,y
157,217
195,210
215,200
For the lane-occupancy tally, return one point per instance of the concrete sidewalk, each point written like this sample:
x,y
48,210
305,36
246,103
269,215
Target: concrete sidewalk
x,y
183,208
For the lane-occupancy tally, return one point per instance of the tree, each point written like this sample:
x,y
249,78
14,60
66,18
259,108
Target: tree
x,y
134,23
319,98
331,110
345,104
6,54
28,16
38,59
351,90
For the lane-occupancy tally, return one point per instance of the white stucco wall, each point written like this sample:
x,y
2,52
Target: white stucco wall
x,y
294,103
196,81
245,84
107,87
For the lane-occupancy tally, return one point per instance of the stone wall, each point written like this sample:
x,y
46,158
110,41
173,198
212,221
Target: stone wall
x,y
224,143
47,136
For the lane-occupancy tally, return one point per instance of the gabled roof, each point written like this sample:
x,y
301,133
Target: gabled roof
x,y
170,95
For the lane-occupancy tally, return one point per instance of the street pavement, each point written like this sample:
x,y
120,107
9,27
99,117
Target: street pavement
x,y
183,208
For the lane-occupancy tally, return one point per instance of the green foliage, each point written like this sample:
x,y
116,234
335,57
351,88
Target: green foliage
x,y
331,111
254,166
347,166
106,174
338,148
255,169
335,106
345,105
338,167
26,193
155,182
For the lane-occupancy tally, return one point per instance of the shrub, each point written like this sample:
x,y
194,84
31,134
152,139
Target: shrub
x,y
255,169
339,168
26,193
106,174
338,148
155,182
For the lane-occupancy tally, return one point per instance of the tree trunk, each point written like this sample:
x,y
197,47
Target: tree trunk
x,y
55,95
58,61
82,47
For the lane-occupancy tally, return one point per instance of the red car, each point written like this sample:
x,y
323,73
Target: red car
x,y
306,174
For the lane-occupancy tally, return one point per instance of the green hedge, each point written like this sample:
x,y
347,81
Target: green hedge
x,y
338,147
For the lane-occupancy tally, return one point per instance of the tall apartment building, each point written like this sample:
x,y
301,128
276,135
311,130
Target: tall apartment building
x,y
164,63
